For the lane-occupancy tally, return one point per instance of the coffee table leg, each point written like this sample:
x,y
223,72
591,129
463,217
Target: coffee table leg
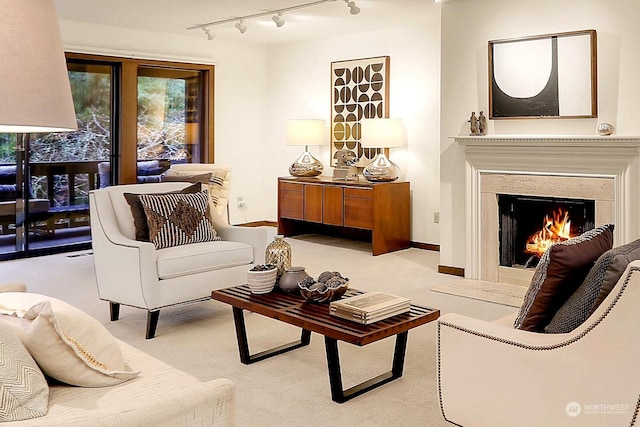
x,y
338,394
243,344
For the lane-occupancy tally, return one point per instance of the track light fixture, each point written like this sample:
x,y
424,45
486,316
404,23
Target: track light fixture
x,y
353,8
241,27
276,16
278,19
208,33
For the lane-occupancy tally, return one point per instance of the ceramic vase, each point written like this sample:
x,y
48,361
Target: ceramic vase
x,y
278,253
290,279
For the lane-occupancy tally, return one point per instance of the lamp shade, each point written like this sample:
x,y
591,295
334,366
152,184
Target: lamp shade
x,y
305,132
35,94
381,133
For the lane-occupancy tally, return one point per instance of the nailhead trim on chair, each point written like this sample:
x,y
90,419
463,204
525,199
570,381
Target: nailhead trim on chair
x,y
538,348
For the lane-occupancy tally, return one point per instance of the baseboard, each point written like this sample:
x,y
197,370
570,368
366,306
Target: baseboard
x,y
258,224
453,271
426,246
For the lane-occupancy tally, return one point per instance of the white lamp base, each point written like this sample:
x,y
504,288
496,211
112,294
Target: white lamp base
x,y
381,169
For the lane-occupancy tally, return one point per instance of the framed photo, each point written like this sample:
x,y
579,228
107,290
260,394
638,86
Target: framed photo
x,y
359,89
546,76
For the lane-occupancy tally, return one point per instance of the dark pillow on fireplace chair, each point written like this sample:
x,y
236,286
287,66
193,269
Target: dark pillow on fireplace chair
x,y
602,277
562,268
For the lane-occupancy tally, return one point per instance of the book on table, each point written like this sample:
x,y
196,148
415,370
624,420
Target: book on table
x,y
369,307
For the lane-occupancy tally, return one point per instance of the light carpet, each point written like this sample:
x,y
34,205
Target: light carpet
x,y
500,293
291,389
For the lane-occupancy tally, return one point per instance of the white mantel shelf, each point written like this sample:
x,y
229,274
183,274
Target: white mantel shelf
x,y
549,140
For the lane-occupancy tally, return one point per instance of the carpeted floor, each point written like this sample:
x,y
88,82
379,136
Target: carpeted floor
x,y
291,389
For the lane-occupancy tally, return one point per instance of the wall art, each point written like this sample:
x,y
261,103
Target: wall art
x,y
360,89
546,76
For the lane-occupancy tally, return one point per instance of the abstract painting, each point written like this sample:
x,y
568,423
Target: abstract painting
x,y
360,89
547,76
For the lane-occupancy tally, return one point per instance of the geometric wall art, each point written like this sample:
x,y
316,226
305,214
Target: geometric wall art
x,y
546,76
360,90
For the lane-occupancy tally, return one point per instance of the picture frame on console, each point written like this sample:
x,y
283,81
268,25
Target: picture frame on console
x,y
544,76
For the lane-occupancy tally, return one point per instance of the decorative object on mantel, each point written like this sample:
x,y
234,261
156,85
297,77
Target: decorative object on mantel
x,y
473,124
381,133
278,252
305,132
605,129
482,124
551,75
344,169
360,90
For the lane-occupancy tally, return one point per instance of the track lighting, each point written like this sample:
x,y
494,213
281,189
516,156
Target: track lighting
x,y
208,33
353,8
241,27
278,19
276,16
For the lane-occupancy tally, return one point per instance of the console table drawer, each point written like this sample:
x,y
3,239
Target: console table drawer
x,y
292,197
364,193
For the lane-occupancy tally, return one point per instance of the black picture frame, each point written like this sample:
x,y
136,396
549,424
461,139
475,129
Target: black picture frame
x,y
544,76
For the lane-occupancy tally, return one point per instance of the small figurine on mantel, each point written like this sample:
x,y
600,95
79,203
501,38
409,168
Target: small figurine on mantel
x,y
474,124
482,123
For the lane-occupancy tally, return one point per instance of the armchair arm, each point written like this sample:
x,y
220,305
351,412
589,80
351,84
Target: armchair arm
x,y
120,261
257,237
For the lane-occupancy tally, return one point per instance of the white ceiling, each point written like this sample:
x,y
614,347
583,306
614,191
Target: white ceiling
x,y
174,16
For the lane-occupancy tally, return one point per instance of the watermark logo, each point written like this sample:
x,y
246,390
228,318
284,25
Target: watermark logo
x,y
573,409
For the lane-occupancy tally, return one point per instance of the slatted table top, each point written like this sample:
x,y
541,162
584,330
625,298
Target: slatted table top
x,y
315,317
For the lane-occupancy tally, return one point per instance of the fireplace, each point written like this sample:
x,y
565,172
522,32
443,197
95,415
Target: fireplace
x,y
602,173
529,224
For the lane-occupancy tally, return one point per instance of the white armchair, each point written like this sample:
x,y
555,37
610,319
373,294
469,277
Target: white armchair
x,y
490,374
136,274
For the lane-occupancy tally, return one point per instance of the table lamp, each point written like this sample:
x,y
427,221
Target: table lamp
x,y
306,132
381,133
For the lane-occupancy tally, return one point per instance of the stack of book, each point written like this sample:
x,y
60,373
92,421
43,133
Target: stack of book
x,y
369,307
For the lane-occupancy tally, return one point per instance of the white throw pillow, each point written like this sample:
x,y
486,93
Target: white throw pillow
x,y
24,392
68,344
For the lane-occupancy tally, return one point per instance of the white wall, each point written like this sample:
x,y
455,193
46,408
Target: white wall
x,y
300,87
258,89
467,26
240,96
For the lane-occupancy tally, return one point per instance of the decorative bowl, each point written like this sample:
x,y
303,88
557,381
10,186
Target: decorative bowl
x,y
330,286
262,281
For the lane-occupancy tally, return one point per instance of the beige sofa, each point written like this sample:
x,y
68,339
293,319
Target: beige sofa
x,y
490,374
160,396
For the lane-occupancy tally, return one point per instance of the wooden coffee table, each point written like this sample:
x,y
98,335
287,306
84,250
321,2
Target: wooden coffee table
x,y
312,317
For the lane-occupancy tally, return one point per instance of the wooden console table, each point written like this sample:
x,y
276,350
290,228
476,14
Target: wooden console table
x,y
382,209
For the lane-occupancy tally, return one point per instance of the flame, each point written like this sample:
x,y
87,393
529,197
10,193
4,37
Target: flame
x,y
556,229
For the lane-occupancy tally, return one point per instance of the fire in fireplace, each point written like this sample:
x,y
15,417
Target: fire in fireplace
x,y
530,224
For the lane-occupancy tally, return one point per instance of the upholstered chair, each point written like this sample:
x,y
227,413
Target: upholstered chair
x,y
140,274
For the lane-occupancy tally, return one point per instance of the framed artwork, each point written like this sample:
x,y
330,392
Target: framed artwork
x,y
546,76
360,89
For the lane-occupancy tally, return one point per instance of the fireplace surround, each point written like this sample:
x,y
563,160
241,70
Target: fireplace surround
x,y
603,169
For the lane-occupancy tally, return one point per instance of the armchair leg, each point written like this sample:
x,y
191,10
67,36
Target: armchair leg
x,y
114,310
152,323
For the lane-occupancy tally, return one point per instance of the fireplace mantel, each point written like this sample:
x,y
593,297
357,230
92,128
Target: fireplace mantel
x,y
615,157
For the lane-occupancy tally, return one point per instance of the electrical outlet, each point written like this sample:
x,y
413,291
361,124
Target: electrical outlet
x,y
240,202
436,217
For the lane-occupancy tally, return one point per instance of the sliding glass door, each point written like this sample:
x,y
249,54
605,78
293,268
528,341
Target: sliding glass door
x,y
54,172
135,119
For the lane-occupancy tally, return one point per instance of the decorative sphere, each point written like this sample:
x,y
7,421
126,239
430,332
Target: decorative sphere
x,y
606,129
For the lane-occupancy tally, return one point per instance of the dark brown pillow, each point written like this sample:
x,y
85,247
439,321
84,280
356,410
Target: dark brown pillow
x,y
561,270
139,216
202,178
